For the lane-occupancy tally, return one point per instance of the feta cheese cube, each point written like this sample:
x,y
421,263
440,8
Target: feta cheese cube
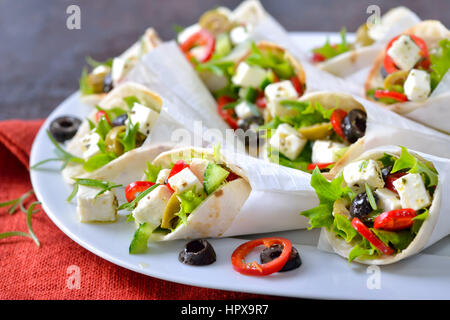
x,y
248,76
387,200
89,145
101,69
326,151
188,32
151,208
92,209
185,180
146,117
276,92
118,69
244,110
417,85
198,167
162,176
238,35
404,52
356,174
287,141
412,191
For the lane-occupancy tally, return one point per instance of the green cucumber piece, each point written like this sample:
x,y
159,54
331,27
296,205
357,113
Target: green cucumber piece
x,y
140,238
215,175
249,94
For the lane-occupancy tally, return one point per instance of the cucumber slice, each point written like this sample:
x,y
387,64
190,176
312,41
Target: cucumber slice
x,y
140,238
249,94
215,175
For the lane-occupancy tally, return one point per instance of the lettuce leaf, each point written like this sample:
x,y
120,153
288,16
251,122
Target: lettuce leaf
x,y
308,113
270,60
151,174
329,51
189,201
363,250
440,63
399,240
128,139
343,228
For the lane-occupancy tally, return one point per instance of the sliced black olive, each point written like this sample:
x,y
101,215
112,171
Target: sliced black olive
x,y
274,251
354,125
120,120
361,207
197,253
386,171
108,83
64,128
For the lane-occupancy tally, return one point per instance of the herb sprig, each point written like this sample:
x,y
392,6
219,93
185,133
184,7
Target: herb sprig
x,y
104,186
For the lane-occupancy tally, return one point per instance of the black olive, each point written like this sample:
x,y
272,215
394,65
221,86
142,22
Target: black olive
x,y
274,251
251,134
354,125
361,207
383,72
108,83
254,121
197,253
64,128
120,120
385,172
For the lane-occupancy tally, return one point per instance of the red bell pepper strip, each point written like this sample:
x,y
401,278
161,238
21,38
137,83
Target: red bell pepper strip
x,y
136,187
317,57
297,85
336,121
228,115
177,167
321,166
200,38
261,100
100,114
254,268
400,97
395,220
389,184
389,64
359,226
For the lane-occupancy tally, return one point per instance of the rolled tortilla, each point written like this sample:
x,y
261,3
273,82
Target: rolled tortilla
x,y
114,99
434,228
147,42
432,32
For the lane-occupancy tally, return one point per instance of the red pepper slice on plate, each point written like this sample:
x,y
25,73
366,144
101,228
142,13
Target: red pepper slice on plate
x,y
359,226
297,85
254,268
389,184
100,114
200,38
227,114
336,120
136,187
321,166
398,96
177,167
318,57
389,64
395,220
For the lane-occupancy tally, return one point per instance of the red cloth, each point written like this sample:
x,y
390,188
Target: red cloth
x,y
29,272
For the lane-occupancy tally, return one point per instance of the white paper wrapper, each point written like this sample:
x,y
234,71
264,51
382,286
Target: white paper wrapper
x,y
437,225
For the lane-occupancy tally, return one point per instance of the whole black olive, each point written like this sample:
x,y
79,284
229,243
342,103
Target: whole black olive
x,y
361,207
274,251
197,253
108,83
120,120
385,172
64,128
354,125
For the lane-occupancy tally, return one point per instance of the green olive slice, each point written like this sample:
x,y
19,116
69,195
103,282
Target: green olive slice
x,y
215,22
363,37
173,207
96,80
317,131
396,79
112,140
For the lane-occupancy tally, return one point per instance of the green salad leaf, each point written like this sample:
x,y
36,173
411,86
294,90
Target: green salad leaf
x,y
128,140
440,63
151,174
329,51
270,60
189,201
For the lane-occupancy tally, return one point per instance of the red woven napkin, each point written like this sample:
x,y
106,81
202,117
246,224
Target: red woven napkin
x,y
29,272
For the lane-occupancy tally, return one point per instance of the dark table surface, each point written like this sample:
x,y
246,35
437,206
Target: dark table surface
x,y
41,60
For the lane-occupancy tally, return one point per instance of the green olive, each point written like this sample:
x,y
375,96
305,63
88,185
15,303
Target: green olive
x,y
363,37
140,138
112,140
96,81
173,207
396,79
215,22
317,131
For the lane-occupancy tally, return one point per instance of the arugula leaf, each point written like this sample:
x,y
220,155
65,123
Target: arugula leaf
x,y
270,60
104,186
440,63
131,100
97,161
387,160
103,127
151,174
128,139
329,51
131,205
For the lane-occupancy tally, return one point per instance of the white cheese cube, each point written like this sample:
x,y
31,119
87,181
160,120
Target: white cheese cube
x,y
243,110
92,209
238,35
287,141
151,208
188,32
185,180
249,76
358,173
404,52
412,191
198,167
326,151
276,92
417,85
162,176
387,200
146,117
101,69
118,68
89,145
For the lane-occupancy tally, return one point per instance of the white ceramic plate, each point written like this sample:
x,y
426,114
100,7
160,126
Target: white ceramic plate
x,y
322,275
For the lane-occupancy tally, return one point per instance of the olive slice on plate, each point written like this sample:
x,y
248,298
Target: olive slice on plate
x,y
354,125
274,251
197,253
64,128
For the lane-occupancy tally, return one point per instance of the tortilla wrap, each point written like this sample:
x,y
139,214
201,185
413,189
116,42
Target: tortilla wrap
x,y
422,238
432,32
145,44
114,99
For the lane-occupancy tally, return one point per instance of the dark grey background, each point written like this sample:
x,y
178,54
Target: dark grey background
x,y
41,60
